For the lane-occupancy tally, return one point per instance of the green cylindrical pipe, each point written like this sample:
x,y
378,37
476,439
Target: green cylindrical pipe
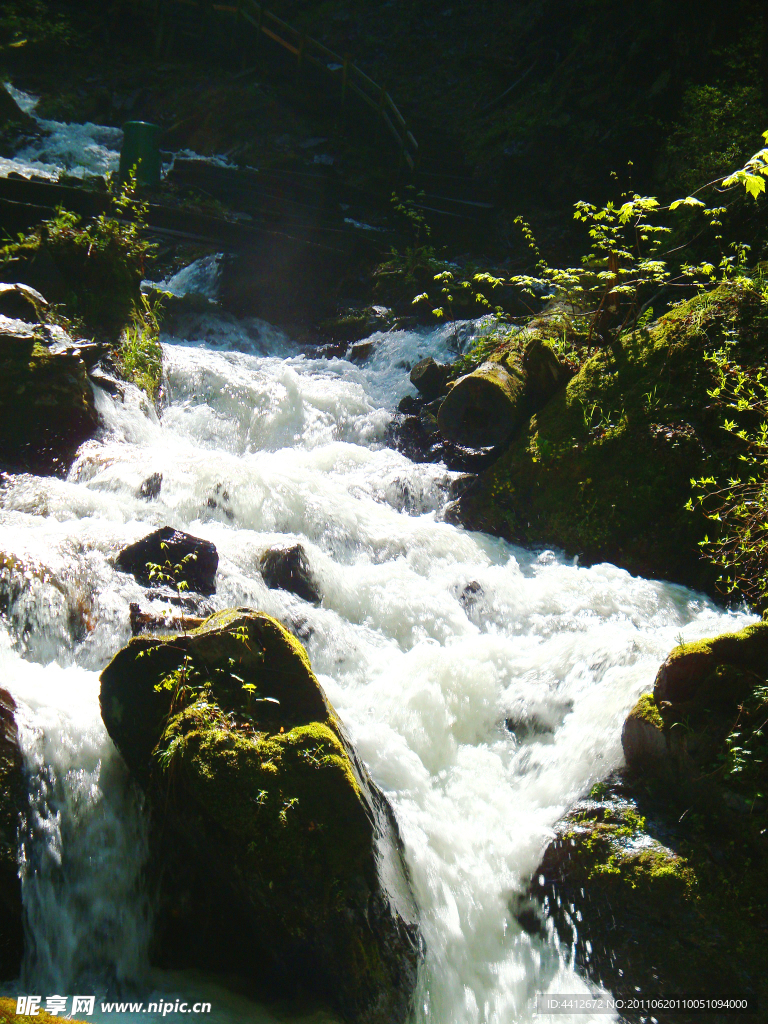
x,y
141,149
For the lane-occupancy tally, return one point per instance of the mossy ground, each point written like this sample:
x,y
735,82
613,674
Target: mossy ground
x,y
604,470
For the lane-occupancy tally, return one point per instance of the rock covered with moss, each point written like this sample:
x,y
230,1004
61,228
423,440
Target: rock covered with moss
x,y
664,867
604,469
708,701
277,855
652,906
46,400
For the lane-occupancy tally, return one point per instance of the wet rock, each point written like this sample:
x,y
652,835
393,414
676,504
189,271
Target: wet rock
x,y
361,351
12,799
355,324
429,378
333,350
169,547
46,401
410,406
288,568
636,892
150,488
19,301
277,856
471,594
642,737
16,126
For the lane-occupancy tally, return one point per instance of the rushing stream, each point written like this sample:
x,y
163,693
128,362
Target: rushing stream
x,y
484,685
428,640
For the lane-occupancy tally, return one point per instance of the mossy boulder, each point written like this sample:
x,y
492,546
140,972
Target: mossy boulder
x,y
709,698
652,905
46,400
666,865
276,854
12,797
603,470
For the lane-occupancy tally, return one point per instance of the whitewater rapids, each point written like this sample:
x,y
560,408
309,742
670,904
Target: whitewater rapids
x,y
428,641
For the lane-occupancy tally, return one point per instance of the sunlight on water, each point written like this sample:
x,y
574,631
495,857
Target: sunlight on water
x,y
428,639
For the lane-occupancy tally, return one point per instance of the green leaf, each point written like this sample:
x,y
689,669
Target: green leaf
x,y
688,201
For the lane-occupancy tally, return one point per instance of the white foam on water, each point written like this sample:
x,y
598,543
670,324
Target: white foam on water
x,y
429,638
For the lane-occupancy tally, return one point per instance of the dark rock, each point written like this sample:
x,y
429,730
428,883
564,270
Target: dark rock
x,y
429,378
428,422
277,857
106,382
150,488
361,351
288,569
333,350
22,302
172,546
16,126
46,401
471,594
640,898
355,324
410,406
12,800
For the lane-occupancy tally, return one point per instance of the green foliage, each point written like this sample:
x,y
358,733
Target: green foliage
x,y
140,356
101,262
737,509
192,684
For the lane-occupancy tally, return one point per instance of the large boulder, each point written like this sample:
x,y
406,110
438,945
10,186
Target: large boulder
x,y
46,400
180,556
277,855
12,795
665,866
648,906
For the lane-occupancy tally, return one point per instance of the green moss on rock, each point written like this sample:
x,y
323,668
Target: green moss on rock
x,y
604,469
257,795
